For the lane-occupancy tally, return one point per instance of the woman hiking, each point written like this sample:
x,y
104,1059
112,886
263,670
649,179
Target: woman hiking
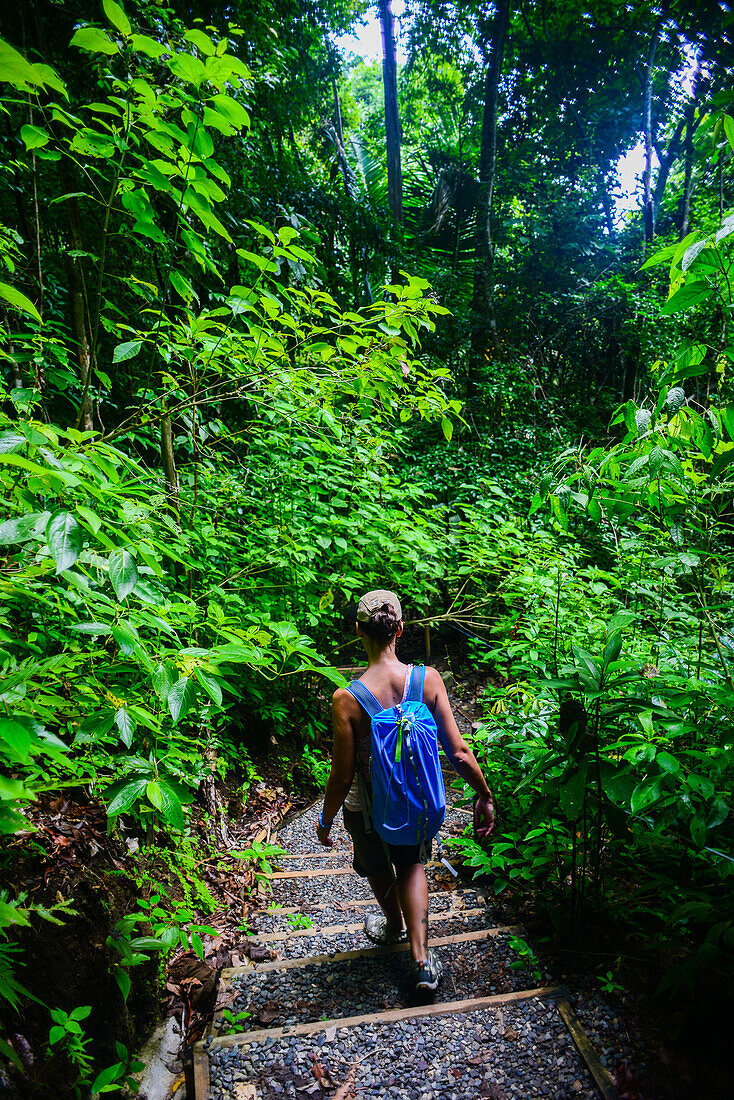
x,y
395,872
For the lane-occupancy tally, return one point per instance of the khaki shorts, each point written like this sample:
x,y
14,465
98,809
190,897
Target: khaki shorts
x,y
370,855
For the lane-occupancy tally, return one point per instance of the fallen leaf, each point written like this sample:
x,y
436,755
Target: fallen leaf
x,y
320,1073
346,1089
330,1034
258,952
268,1012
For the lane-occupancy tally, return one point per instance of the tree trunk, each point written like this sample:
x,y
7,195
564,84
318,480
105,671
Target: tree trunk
x,y
392,117
688,148
484,327
648,210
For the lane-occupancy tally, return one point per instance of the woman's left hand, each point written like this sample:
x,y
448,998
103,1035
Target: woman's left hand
x,y
324,838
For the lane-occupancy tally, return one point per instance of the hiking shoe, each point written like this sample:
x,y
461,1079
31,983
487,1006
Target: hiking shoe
x,y
377,929
428,974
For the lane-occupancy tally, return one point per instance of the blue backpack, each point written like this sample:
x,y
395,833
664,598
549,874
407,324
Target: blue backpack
x,y
408,794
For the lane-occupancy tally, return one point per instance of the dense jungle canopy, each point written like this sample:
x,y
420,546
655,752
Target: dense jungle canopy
x,y
278,325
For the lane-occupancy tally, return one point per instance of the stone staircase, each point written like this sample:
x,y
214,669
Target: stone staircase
x,y
323,1013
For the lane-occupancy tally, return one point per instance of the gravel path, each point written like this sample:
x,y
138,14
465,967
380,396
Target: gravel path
x,y
348,912
302,944
302,994
519,1050
514,1050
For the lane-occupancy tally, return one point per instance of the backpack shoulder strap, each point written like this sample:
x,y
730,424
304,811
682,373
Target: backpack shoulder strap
x,y
415,691
365,698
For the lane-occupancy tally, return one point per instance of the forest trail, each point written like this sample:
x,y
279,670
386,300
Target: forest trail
x,y
333,1016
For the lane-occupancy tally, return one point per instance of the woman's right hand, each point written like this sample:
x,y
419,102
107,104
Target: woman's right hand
x,y
483,816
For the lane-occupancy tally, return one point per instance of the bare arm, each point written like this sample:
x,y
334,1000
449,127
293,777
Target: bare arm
x,y
344,712
462,759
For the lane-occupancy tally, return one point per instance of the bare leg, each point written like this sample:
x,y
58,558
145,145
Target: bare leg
x,y
383,887
413,894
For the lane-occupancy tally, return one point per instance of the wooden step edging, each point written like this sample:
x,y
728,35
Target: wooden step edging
x,y
325,872
335,929
559,994
386,1016
364,953
588,1052
322,872
369,901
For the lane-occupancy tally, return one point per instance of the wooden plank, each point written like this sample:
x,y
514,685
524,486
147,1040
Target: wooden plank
x,y
328,853
335,929
368,901
588,1052
388,1016
367,952
323,872
201,1072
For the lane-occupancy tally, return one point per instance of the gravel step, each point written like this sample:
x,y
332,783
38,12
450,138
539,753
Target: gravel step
x,y
276,917
505,1049
298,941
292,991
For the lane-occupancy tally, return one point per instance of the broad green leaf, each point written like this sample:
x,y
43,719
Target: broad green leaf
x,y
126,351
34,137
123,980
23,528
126,637
171,806
94,40
117,17
153,794
125,799
15,737
141,43
723,460
202,41
64,537
692,294
667,762
188,68
660,257
726,229
123,573
99,630
180,698
163,680
613,649
644,795
126,725
729,129
11,441
447,428
690,254
210,685
112,1073
19,301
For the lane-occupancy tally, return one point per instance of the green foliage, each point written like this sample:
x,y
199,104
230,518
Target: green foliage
x,y
67,1034
299,920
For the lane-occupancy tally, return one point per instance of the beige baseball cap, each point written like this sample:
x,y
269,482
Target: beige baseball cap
x,y
373,601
